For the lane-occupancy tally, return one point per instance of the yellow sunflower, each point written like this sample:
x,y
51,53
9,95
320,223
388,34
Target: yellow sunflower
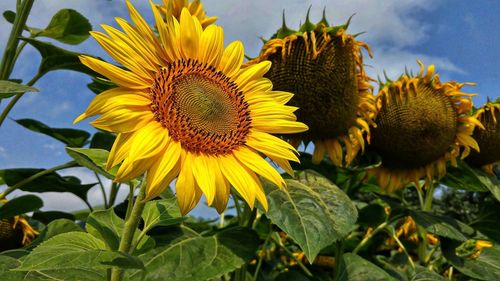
x,y
323,66
174,7
184,107
421,124
487,138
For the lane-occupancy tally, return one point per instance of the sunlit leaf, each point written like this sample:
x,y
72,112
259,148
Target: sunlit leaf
x,y
94,159
68,26
9,89
162,212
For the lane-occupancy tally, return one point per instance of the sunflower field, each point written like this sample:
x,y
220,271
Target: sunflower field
x,y
314,169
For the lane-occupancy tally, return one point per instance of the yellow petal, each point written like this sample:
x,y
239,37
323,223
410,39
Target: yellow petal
x,y
259,193
319,151
190,38
148,141
239,177
252,72
123,120
254,162
211,45
204,174
164,170
187,191
279,126
222,189
271,145
117,75
116,98
169,37
231,60
257,86
284,164
120,149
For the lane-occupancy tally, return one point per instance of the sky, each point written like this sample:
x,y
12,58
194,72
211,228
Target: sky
x,y
460,37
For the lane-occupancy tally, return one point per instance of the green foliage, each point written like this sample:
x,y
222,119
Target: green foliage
x,y
70,137
355,268
67,26
312,211
9,89
94,159
20,205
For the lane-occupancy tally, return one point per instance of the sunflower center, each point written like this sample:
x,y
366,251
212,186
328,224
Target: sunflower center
x,y
487,139
200,107
325,87
414,129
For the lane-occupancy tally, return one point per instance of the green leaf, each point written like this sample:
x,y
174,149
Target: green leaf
x,y
54,58
487,222
200,258
423,274
99,85
54,228
441,225
68,26
108,227
70,137
20,205
372,215
47,217
9,89
8,263
102,140
94,159
162,212
9,16
354,268
312,211
78,251
52,182
484,267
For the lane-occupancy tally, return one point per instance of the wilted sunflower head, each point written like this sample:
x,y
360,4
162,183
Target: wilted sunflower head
x,y
185,108
487,138
174,8
322,66
15,233
421,124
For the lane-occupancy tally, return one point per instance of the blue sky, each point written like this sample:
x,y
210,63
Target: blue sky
x,y
460,37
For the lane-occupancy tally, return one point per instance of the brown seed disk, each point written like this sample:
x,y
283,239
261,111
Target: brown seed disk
x,y
10,237
200,107
488,140
414,128
325,87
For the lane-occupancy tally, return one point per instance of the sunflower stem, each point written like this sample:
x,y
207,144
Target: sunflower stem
x,y
131,224
36,176
9,55
113,193
338,258
368,237
428,198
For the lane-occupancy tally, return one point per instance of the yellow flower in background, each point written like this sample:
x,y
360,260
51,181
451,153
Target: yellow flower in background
x,y
184,107
487,138
322,66
174,7
421,124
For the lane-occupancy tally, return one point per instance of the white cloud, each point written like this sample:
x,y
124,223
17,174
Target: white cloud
x,y
3,153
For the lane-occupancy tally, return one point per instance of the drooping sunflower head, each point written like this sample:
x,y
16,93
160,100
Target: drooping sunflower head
x,y
185,108
487,138
421,124
174,8
15,233
323,66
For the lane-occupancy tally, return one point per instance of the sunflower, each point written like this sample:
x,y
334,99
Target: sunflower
x,y
488,139
184,107
421,124
323,66
195,8
15,232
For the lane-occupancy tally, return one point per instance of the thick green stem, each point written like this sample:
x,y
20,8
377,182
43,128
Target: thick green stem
x,y
129,229
114,192
10,49
428,198
36,176
338,259
16,98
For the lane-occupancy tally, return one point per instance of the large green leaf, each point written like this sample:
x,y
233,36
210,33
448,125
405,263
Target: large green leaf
x,y
485,267
108,227
355,268
51,182
54,58
200,258
55,228
94,159
162,212
49,216
78,251
488,222
442,226
20,205
312,211
423,274
8,263
9,89
70,137
68,26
